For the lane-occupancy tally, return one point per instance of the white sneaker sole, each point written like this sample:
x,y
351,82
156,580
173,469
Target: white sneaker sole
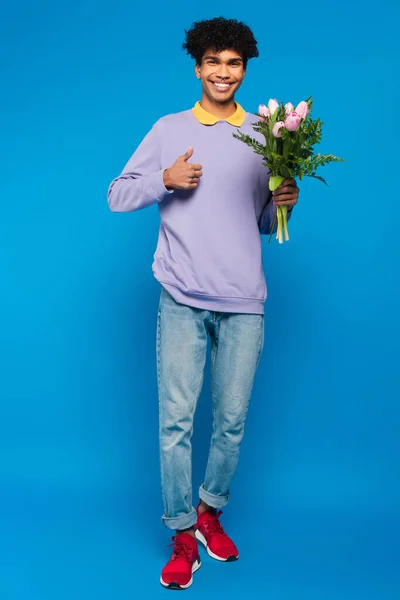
x,y
203,541
177,586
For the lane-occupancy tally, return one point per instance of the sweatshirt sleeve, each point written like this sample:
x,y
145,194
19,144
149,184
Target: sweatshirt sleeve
x,y
267,216
141,182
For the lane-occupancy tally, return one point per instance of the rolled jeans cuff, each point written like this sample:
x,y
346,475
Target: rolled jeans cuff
x,y
181,522
212,499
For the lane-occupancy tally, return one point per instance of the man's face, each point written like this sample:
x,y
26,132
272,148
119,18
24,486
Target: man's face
x,y
225,68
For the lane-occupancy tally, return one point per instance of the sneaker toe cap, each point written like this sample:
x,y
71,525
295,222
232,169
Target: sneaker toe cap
x,y
224,548
178,577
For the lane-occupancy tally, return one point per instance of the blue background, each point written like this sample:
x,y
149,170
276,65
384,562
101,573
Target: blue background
x,y
315,500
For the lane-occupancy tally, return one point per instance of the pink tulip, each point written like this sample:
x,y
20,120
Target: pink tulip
x,y
289,108
302,109
275,130
263,111
273,105
292,121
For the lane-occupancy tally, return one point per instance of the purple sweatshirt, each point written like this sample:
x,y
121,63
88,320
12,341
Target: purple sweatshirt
x,y
209,246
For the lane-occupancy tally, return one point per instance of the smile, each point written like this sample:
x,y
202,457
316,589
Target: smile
x,y
221,87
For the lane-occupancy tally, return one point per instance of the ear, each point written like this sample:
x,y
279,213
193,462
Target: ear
x,y
197,70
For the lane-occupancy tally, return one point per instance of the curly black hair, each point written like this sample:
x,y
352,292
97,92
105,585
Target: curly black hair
x,y
220,34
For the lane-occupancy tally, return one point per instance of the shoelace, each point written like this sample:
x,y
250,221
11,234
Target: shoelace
x,y
181,550
213,525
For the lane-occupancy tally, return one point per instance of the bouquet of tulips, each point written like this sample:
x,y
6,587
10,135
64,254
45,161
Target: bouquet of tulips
x,y
290,135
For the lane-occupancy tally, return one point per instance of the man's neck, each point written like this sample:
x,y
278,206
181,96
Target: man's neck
x,y
222,111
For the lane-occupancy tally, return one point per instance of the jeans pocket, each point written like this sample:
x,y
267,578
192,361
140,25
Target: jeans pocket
x,y
161,301
261,345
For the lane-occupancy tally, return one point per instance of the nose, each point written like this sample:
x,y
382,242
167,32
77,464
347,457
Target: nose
x,y
223,71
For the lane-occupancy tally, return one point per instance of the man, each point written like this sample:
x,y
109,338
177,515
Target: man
x,y
209,263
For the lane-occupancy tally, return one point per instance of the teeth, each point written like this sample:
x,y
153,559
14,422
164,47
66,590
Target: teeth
x,y
224,85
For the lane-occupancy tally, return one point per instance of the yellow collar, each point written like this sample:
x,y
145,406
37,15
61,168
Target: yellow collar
x,y
207,118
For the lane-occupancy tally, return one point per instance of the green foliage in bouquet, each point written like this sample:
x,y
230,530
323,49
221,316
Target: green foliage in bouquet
x,y
291,155
289,147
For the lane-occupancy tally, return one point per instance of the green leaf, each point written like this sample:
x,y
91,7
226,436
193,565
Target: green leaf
x,y
320,178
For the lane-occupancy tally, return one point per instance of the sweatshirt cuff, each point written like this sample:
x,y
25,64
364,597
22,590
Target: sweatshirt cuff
x,y
157,185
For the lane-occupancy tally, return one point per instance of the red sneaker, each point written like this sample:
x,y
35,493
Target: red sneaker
x,y
210,533
185,560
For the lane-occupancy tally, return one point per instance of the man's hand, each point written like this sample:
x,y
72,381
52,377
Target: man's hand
x,y
286,194
183,175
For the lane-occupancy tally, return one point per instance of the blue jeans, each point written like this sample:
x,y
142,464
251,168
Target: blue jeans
x,y
236,345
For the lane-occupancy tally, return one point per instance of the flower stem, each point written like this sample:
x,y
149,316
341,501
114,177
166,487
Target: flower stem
x,y
285,227
272,227
280,224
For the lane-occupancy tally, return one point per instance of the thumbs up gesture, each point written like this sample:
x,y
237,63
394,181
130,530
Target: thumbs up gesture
x,y
183,175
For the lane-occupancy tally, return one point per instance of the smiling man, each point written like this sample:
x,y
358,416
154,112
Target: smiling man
x,y
209,264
